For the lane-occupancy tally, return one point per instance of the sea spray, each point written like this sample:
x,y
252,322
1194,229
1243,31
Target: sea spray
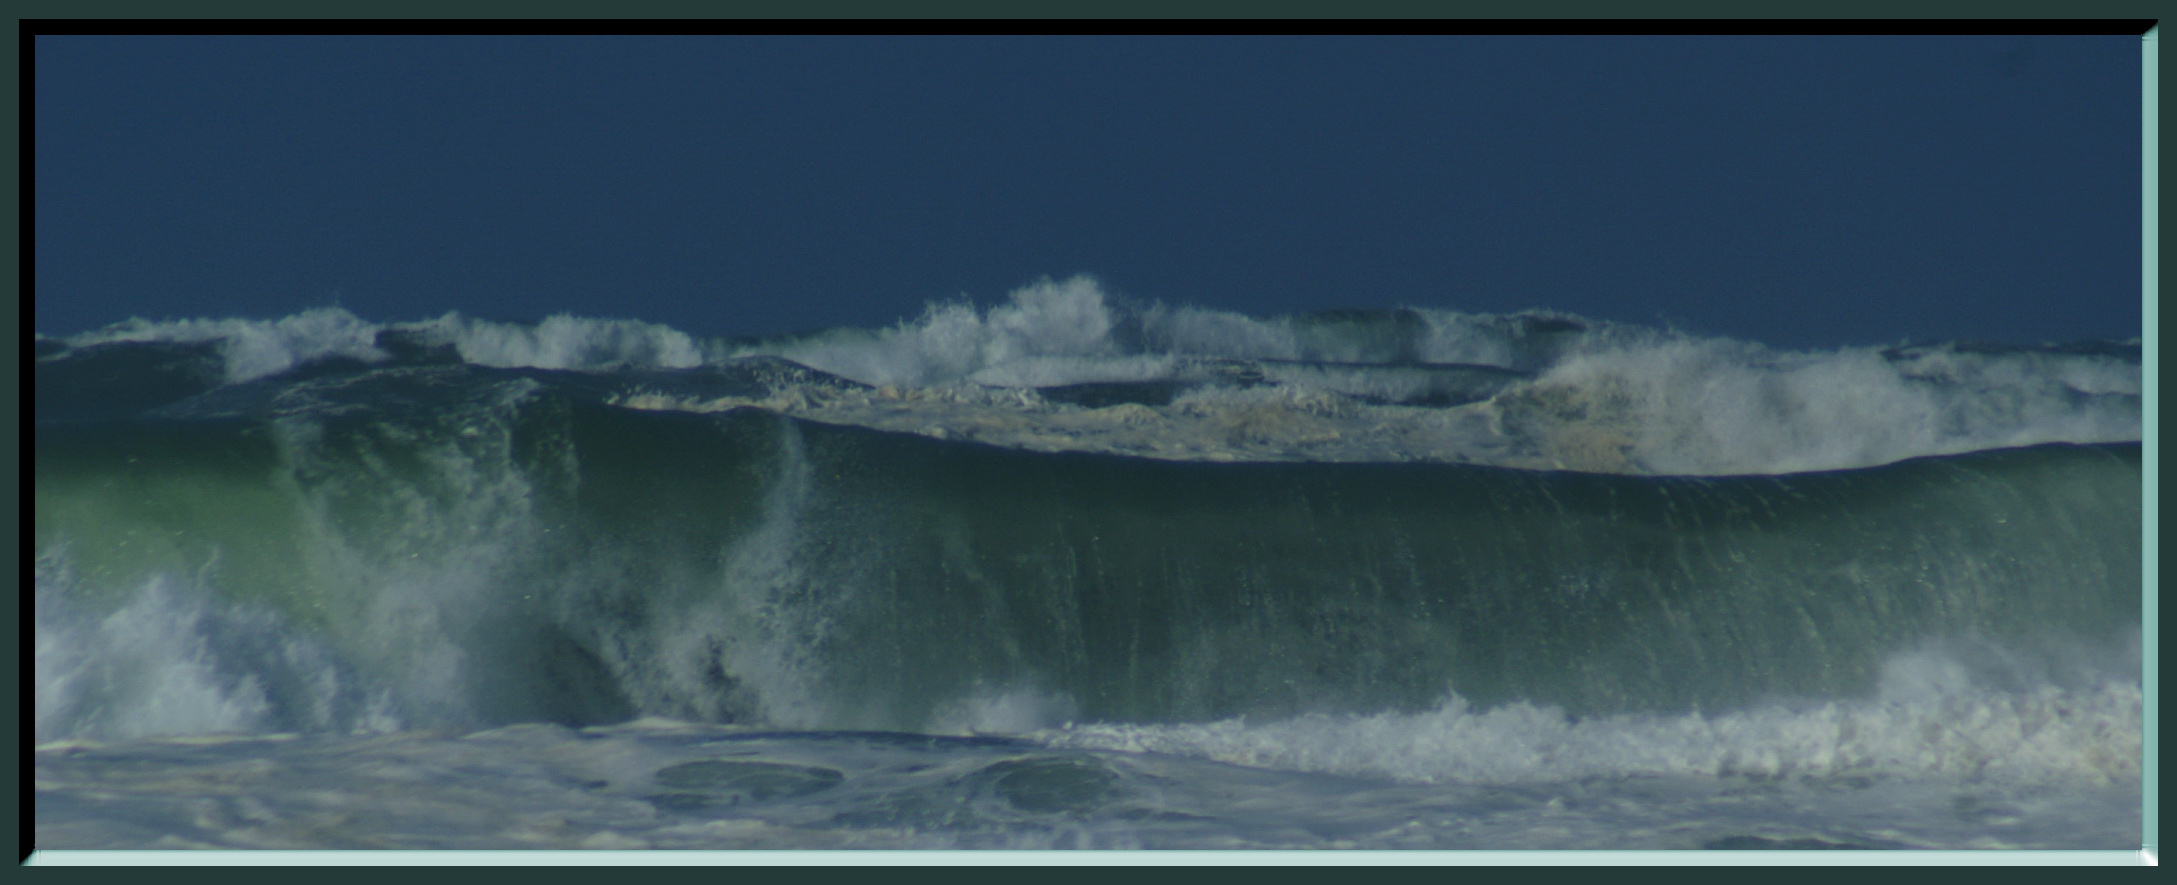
x,y
1077,571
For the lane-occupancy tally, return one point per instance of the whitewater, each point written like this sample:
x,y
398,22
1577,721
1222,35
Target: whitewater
x,y
1075,571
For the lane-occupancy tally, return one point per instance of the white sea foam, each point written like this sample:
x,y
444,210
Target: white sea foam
x,y
1546,390
955,342
562,341
1932,717
1711,406
172,661
257,348
545,786
1605,398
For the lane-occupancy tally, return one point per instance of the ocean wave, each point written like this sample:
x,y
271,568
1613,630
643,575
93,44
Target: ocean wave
x,y
1537,390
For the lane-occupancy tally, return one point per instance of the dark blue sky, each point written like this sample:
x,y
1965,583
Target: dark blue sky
x,y
1798,191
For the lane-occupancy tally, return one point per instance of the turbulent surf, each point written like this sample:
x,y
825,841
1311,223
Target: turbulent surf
x,y
1072,572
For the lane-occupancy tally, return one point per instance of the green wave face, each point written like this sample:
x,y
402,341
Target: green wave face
x,y
491,548
1152,590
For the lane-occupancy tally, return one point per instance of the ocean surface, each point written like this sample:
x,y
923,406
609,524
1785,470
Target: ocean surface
x,y
1073,572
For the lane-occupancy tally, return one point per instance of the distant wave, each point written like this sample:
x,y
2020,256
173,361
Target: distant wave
x,y
1061,366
